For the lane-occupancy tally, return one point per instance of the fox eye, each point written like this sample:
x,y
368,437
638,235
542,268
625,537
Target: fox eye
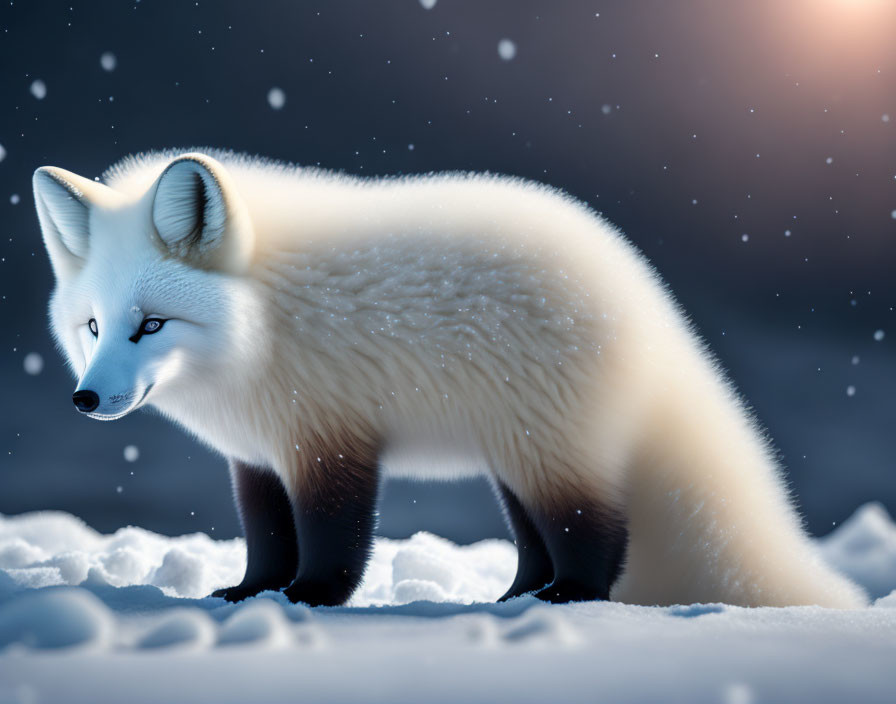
x,y
149,326
93,328
152,325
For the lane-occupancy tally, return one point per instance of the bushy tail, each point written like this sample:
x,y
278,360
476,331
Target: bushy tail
x,y
710,517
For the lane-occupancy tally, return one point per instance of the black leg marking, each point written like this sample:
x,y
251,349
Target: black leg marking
x,y
335,518
266,516
587,545
534,567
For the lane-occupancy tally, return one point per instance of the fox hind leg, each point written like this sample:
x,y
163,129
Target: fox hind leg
x,y
587,542
534,567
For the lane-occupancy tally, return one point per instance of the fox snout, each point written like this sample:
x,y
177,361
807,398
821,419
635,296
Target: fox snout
x,y
112,407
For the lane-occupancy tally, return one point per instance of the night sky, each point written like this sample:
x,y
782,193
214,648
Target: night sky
x,y
747,148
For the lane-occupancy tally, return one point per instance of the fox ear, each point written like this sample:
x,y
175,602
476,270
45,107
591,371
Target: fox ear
x,y
63,201
199,217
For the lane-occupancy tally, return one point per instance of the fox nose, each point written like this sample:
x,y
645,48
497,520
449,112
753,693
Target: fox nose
x,y
86,401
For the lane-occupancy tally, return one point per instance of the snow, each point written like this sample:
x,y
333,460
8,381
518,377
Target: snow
x,y
87,617
879,335
2,152
428,4
33,363
55,619
864,548
276,98
131,453
108,61
39,89
54,548
506,49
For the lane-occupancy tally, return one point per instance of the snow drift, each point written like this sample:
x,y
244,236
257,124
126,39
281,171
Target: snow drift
x,y
421,627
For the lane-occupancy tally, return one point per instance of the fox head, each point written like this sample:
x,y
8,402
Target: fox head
x,y
148,286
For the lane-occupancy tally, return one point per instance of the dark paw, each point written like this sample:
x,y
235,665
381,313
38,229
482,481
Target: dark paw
x,y
516,591
238,593
565,591
317,593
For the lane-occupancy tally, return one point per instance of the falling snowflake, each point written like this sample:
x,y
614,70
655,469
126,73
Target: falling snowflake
x,y
108,61
131,453
276,98
33,363
506,49
39,89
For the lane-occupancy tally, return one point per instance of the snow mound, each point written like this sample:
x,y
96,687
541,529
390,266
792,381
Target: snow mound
x,y
143,591
182,628
864,549
55,619
57,549
53,548
429,568
261,623
140,628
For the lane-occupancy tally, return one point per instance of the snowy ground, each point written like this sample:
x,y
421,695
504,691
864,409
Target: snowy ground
x,y
421,629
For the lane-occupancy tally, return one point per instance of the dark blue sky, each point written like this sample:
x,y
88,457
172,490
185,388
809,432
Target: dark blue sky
x,y
706,131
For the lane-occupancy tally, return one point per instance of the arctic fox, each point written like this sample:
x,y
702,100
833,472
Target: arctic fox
x,y
317,329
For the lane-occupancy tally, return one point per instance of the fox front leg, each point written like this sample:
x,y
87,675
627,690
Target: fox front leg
x,y
334,512
266,516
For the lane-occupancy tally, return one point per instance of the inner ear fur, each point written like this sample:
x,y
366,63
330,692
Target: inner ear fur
x,y
63,200
198,215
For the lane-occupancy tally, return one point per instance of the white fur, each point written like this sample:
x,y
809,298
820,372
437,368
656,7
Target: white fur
x,y
487,320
